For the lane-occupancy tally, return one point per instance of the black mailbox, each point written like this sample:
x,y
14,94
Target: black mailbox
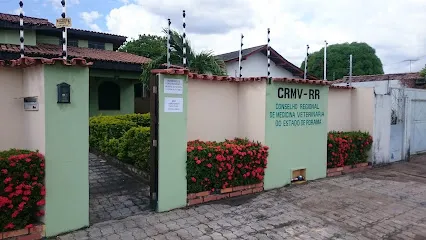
x,y
64,93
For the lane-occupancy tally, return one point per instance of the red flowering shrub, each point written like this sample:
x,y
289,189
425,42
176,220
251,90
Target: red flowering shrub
x,y
347,148
21,188
216,165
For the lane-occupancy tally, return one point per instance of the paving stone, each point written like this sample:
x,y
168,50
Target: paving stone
x,y
113,193
361,206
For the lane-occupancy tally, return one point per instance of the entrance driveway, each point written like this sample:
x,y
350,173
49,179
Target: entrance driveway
x,y
114,194
383,203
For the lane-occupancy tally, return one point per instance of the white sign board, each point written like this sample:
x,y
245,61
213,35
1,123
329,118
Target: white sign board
x,y
173,86
173,104
63,22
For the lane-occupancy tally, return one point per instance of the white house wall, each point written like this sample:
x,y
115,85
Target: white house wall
x,y
256,65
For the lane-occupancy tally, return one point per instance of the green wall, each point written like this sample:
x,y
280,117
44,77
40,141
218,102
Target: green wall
x,y
67,148
127,96
172,138
109,46
83,43
12,37
111,74
294,146
47,39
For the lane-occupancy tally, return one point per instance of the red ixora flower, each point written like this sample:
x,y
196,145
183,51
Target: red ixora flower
x,y
4,171
9,226
26,175
198,161
7,180
29,226
40,213
194,179
209,165
41,202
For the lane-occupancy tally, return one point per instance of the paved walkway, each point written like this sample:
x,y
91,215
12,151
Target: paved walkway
x,y
384,203
113,193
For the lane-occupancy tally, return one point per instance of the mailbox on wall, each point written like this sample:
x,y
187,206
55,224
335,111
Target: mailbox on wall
x,y
30,104
64,93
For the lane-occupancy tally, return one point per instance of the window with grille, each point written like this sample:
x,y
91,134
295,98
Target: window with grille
x,y
96,45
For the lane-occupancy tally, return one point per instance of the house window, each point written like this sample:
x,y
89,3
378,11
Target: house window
x,y
96,45
141,91
109,96
72,42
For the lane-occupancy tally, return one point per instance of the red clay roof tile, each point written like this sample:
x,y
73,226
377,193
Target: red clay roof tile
x,y
341,87
172,71
45,50
27,20
29,61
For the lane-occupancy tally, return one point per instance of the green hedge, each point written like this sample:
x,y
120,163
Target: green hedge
x,y
126,137
348,148
134,147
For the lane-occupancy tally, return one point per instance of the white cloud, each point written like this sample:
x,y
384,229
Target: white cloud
x,y
395,29
17,11
89,18
57,3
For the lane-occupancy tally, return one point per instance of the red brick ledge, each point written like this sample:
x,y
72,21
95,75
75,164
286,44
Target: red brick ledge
x,y
208,196
359,167
35,233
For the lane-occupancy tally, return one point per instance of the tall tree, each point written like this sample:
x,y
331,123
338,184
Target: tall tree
x,y
150,46
154,47
365,61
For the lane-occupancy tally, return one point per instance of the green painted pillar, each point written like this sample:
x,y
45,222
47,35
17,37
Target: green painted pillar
x,y
67,150
172,141
295,131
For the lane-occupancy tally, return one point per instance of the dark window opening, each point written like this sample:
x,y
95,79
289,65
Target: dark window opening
x,y
96,45
109,96
141,91
138,90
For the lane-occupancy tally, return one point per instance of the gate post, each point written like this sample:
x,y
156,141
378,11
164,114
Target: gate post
x,y
172,141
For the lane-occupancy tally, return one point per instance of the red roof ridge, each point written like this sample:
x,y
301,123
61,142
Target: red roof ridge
x,y
30,61
341,87
27,19
173,71
51,50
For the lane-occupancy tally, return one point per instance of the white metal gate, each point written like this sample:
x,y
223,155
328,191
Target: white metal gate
x,y
397,124
418,129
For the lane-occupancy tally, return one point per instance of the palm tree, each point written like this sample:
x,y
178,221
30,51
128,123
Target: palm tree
x,y
204,62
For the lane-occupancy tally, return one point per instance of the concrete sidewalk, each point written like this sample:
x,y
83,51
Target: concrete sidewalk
x,y
383,203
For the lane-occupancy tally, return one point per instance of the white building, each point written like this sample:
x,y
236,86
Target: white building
x,y
400,113
255,64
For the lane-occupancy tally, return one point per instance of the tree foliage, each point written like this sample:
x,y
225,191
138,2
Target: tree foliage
x,y
364,61
150,46
154,47
423,72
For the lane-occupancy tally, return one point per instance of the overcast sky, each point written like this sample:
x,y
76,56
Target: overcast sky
x,y
395,28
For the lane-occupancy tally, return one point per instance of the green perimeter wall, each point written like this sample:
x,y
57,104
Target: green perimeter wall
x,y
126,81
67,149
12,37
294,147
172,136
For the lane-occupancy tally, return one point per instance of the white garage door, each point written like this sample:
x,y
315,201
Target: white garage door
x,y
418,134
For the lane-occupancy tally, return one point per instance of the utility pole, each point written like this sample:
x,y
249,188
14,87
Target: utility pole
x,y
411,60
350,70
306,63
325,60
